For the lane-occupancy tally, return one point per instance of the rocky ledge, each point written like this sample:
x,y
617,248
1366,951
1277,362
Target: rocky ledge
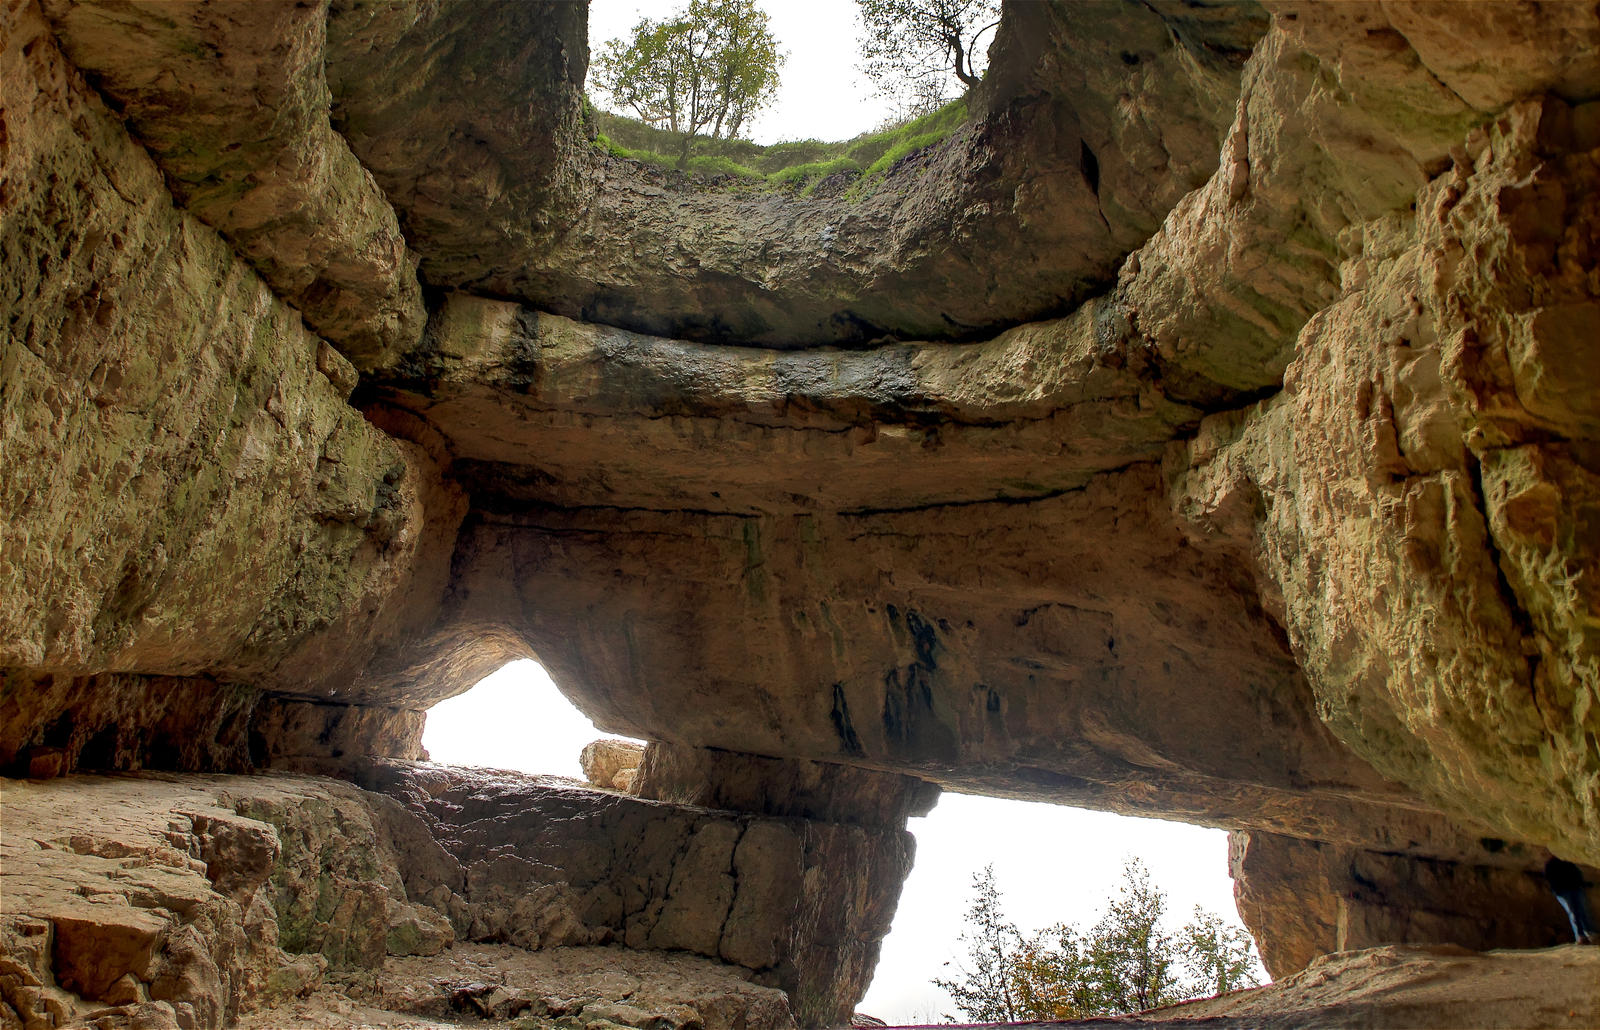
x,y
1207,429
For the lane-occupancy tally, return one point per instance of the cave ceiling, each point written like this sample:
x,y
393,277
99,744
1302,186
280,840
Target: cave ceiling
x,y
1206,429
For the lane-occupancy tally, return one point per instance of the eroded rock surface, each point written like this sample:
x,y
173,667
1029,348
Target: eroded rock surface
x,y
187,901
1217,440
178,902
612,763
251,153
1303,899
801,903
1396,987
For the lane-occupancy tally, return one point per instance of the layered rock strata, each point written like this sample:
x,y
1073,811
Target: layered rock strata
x,y
251,152
1217,442
186,900
802,903
180,902
1303,899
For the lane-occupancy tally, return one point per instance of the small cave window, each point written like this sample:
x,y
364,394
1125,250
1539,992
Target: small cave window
x,y
515,718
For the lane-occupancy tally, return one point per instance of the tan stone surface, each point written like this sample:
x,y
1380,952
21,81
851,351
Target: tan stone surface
x,y
623,420
611,763
1402,988
185,488
169,901
496,986
1290,531
821,791
1303,899
801,904
1417,511
231,101
1014,218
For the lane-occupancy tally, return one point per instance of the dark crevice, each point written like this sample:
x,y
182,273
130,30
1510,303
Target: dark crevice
x,y
1508,595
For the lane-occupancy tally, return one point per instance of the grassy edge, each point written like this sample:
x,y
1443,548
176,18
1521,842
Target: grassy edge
x,y
796,165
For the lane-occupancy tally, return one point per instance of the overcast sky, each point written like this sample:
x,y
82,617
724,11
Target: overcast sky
x,y
1052,863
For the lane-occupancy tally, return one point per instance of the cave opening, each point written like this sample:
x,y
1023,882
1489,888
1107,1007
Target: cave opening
x,y
1052,864
515,718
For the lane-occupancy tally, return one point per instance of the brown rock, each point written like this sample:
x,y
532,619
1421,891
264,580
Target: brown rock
x,y
1291,531
819,791
168,435
611,763
252,154
800,904
1302,900
324,738
95,946
1414,522
1012,218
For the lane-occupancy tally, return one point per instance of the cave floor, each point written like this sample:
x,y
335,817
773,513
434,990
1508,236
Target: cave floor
x,y
1390,987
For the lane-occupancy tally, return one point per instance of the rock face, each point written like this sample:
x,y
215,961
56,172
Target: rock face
x,y
801,903
1207,430
1397,987
1302,899
772,786
171,902
186,901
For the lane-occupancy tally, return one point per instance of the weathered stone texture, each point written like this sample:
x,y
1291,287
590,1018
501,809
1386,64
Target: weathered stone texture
x,y
1343,117
802,904
323,737
186,490
171,902
584,988
1302,899
53,724
623,420
1293,530
231,100
820,791
1417,508
612,763
870,640
1010,219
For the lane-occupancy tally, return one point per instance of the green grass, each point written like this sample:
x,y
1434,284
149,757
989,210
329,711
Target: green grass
x,y
798,165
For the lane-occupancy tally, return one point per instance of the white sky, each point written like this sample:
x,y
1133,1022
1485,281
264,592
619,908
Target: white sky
x,y
820,93
1052,863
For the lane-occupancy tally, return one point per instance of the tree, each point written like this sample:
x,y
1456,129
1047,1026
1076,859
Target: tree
x,y
703,70
984,991
924,53
1125,963
1131,959
1052,976
1221,958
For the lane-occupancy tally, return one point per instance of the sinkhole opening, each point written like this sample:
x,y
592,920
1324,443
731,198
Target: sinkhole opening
x,y
514,718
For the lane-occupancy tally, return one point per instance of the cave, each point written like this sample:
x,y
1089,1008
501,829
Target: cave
x,y
1207,428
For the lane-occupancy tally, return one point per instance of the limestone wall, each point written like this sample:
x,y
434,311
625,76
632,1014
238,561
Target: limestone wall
x,y
1217,440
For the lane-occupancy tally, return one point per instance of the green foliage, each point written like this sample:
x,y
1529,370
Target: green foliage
x,y
1221,958
923,53
703,70
1126,962
800,165
984,992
